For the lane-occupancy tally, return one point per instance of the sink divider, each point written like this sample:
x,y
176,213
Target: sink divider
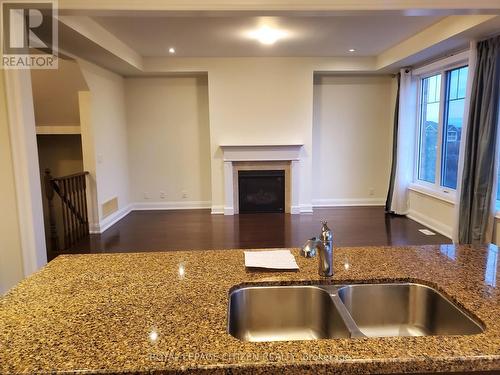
x,y
343,312
346,316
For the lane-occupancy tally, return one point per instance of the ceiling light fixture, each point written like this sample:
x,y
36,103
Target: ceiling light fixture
x,y
171,50
352,50
267,35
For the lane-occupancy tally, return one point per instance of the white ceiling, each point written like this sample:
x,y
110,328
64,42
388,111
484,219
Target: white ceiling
x,y
225,36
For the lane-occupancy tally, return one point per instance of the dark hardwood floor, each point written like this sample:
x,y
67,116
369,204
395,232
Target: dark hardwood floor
x,y
198,229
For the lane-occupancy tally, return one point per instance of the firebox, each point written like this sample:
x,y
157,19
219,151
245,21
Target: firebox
x,y
261,191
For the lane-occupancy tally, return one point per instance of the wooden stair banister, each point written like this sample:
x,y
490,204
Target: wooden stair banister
x,y
49,193
71,190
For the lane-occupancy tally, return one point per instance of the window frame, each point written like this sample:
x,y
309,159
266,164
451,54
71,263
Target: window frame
x,y
416,179
440,67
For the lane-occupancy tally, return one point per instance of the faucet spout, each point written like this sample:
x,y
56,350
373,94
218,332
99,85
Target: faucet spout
x,y
325,252
324,247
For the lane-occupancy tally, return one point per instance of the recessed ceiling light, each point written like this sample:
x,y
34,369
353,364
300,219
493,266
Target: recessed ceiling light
x,y
171,50
352,50
267,35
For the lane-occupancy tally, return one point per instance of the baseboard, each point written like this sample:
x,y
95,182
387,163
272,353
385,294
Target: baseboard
x,y
112,219
305,209
348,202
94,229
228,211
217,210
115,217
433,224
180,205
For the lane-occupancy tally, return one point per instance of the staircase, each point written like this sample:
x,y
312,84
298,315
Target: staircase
x,y
71,190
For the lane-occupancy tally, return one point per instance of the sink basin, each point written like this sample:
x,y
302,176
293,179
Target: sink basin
x,y
381,310
284,313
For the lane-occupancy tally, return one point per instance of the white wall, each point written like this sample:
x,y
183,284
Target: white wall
x,y
439,214
109,128
251,101
352,139
260,101
270,101
55,94
11,261
168,141
433,212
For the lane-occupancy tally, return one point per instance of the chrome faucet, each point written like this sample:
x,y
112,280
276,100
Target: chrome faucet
x,y
324,246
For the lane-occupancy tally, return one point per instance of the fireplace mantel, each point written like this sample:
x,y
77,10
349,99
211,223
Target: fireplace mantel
x,y
260,156
261,152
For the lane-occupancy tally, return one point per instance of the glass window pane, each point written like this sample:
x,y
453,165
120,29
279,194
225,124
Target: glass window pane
x,y
456,81
431,88
453,85
462,81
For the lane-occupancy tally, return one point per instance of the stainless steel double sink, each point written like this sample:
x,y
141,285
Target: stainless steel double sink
x,y
311,312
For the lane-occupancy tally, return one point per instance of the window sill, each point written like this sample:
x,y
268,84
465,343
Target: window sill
x,y
441,195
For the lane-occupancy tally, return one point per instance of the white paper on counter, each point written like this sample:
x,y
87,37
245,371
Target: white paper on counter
x,y
271,259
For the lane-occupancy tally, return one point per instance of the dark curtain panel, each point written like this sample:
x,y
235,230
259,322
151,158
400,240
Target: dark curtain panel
x,y
388,201
480,146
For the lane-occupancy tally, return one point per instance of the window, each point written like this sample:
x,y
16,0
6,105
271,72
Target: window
x,y
431,92
442,103
456,83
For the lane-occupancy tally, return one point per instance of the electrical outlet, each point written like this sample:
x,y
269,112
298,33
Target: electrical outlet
x,y
184,195
162,195
146,195
371,191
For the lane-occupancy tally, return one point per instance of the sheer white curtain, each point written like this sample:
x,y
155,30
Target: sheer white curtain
x,y
406,140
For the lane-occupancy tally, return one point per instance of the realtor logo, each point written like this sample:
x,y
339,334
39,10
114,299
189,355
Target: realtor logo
x,y
29,32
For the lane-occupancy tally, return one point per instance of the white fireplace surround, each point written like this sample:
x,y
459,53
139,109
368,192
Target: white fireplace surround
x,y
261,153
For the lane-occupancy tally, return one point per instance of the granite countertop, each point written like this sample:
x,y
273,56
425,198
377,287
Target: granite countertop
x,y
166,312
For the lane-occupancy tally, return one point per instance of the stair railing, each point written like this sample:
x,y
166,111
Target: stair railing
x,y
71,190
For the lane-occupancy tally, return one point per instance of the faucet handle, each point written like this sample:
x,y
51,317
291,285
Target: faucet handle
x,y
309,248
326,233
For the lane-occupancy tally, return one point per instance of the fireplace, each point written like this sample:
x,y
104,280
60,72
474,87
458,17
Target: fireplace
x,y
282,158
261,191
